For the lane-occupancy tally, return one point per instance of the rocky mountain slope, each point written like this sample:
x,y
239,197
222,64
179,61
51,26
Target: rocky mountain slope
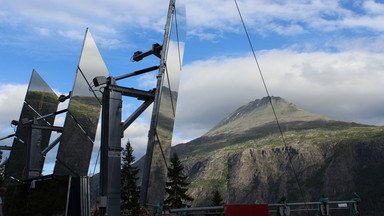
x,y
245,158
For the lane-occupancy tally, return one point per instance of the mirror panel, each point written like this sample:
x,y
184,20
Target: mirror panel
x,y
159,146
84,108
40,100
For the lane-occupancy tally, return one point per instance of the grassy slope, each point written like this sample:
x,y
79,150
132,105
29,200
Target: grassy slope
x,y
339,142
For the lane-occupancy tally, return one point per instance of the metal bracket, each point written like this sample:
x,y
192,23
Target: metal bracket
x,y
136,114
131,92
9,136
5,147
156,50
50,146
51,128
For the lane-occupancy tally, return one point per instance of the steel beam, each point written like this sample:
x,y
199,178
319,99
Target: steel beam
x,y
146,70
131,92
9,136
34,157
110,160
5,147
50,146
136,114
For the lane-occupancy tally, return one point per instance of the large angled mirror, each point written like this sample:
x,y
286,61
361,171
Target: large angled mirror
x,y
40,100
159,146
84,108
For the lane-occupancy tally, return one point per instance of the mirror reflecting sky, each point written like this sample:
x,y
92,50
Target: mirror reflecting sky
x,y
163,127
83,114
40,100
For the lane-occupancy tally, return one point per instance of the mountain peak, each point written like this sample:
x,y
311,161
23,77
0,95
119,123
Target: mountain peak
x,y
259,112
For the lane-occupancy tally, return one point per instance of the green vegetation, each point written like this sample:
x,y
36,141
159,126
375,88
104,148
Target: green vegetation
x,y
208,183
244,157
327,147
217,200
176,196
302,138
130,192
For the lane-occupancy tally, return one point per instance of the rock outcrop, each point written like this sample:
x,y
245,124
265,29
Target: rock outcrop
x,y
246,159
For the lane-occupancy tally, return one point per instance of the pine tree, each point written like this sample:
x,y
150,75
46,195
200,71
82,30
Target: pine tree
x,y
176,185
130,192
217,200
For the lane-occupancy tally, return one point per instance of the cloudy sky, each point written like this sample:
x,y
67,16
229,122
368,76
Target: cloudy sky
x,y
325,56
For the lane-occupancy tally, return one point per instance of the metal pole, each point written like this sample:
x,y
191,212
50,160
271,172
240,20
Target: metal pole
x,y
34,157
110,159
146,70
50,146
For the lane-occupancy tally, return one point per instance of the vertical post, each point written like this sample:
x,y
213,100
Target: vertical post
x,y
323,209
84,196
34,164
284,210
110,159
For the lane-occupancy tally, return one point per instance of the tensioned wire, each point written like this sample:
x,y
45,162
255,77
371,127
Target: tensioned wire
x,y
270,101
167,76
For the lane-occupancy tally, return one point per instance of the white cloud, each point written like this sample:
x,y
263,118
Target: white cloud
x,y
345,86
43,31
283,17
68,19
373,44
206,19
11,102
373,7
137,134
147,80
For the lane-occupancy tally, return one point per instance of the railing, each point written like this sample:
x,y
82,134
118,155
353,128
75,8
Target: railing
x,y
284,208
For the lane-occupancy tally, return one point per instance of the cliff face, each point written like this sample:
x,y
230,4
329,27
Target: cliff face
x,y
245,158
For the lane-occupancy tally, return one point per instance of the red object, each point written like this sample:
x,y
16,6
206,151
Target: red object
x,y
246,210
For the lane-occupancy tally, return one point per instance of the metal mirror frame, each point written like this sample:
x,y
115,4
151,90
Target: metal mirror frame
x,y
163,115
40,100
84,108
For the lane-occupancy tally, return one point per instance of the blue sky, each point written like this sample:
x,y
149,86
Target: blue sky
x,y
324,56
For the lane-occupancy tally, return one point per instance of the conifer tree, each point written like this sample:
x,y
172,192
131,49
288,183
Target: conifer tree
x,y
217,200
177,185
130,192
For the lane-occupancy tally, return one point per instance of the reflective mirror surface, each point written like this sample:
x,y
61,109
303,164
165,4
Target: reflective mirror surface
x,y
40,100
80,125
166,108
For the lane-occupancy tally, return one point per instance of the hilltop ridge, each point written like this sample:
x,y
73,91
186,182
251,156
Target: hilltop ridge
x,y
259,112
244,157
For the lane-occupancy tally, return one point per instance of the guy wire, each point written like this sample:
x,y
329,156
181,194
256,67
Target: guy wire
x,y
270,101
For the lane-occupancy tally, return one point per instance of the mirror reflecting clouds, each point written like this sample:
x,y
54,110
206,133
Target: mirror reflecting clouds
x,y
40,100
84,108
161,147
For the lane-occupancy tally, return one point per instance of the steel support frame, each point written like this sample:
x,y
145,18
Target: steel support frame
x,y
137,113
34,152
110,159
34,163
111,134
113,128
